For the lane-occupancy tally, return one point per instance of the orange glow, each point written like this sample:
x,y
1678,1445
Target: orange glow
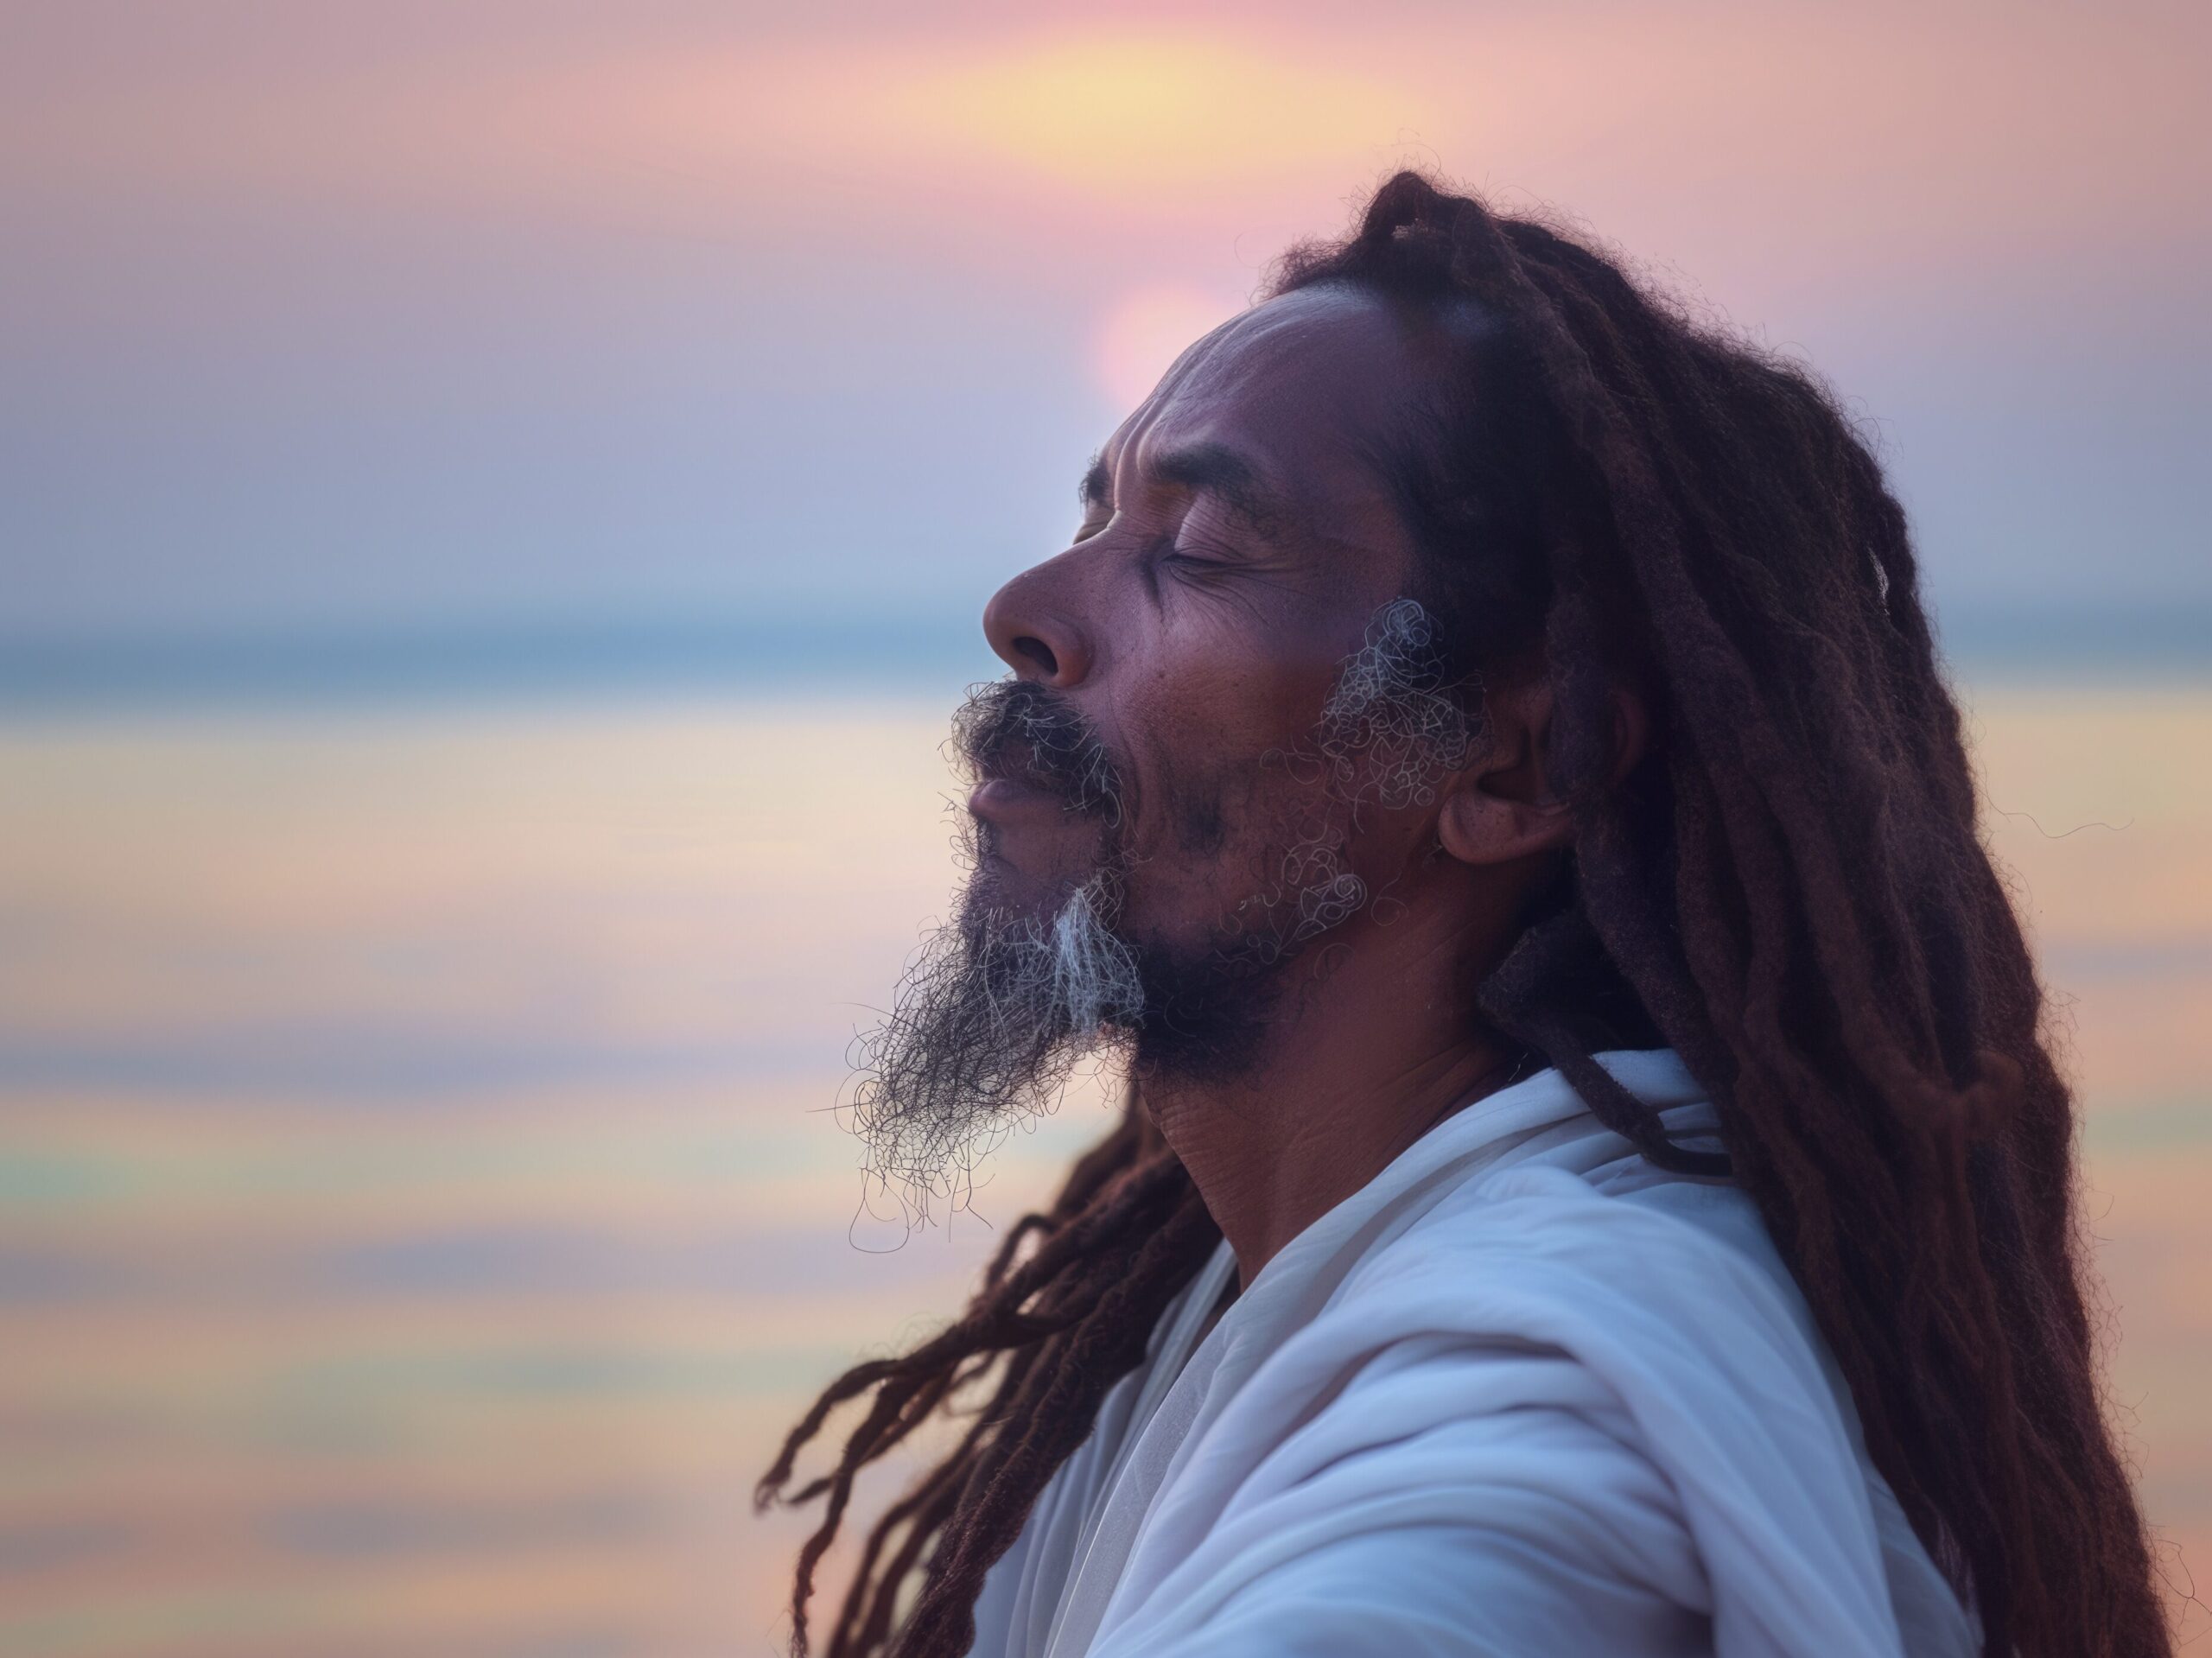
x,y
1144,114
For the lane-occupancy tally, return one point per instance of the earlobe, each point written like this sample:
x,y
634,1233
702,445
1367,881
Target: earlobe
x,y
1461,827
1480,825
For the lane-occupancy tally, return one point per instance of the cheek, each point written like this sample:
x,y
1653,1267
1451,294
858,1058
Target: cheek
x,y
1234,856
1216,711
1207,751
1224,802
1209,701
1201,798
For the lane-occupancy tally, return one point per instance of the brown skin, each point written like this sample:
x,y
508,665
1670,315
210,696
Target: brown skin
x,y
1201,641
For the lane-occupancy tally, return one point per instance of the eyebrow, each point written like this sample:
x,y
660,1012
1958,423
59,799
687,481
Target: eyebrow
x,y
1204,468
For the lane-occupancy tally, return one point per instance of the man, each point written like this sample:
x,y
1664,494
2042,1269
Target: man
x,y
1591,1181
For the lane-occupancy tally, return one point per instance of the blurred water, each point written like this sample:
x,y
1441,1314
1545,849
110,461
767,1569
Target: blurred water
x,y
419,1211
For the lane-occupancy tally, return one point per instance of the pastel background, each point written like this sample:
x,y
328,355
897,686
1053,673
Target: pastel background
x,y
494,502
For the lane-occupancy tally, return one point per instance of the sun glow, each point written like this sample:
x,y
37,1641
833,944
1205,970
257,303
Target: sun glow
x,y
1144,331
1155,112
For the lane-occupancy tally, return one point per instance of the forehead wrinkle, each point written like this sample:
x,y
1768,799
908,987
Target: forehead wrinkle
x,y
1204,467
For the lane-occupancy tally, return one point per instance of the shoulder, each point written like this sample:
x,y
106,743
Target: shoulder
x,y
1638,1352
1678,1274
1661,1311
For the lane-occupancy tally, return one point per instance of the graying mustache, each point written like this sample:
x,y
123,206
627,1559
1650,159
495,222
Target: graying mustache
x,y
1011,728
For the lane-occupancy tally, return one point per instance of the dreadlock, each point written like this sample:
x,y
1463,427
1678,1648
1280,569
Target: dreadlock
x,y
1790,889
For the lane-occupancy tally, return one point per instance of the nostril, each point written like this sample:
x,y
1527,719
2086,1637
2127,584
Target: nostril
x,y
1038,652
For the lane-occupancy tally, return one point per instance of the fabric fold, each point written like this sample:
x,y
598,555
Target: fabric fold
x,y
1564,1397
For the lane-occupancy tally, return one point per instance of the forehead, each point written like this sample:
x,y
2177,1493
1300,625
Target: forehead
x,y
1309,388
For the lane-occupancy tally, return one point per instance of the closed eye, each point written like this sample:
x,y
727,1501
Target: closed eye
x,y
1174,558
1199,569
1210,542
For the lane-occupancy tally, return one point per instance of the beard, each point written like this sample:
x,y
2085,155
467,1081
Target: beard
x,y
1000,1007
994,1014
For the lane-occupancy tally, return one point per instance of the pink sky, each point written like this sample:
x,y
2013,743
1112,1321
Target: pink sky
x,y
283,272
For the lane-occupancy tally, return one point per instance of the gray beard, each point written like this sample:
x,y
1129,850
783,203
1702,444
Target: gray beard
x,y
993,1016
999,1009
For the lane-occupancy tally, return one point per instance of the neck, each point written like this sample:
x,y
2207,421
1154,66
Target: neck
x,y
1375,1043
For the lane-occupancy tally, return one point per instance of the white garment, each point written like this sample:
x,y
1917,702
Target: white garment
x,y
1522,1394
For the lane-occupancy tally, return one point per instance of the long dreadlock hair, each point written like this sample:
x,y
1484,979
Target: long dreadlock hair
x,y
1790,889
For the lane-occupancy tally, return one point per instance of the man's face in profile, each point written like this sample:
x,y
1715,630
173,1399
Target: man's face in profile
x,y
1213,748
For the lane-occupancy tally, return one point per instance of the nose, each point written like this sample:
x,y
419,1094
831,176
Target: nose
x,y
1030,626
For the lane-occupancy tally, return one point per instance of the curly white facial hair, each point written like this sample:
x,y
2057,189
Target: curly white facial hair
x,y
1000,1004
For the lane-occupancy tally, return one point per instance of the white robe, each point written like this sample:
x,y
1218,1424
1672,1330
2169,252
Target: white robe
x,y
1522,1393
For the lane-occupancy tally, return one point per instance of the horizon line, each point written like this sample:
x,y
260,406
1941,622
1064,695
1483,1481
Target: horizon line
x,y
463,658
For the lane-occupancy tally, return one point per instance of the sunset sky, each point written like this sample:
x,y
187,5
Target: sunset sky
x,y
349,314
425,1206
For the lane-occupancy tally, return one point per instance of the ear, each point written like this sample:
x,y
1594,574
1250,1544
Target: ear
x,y
1504,807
